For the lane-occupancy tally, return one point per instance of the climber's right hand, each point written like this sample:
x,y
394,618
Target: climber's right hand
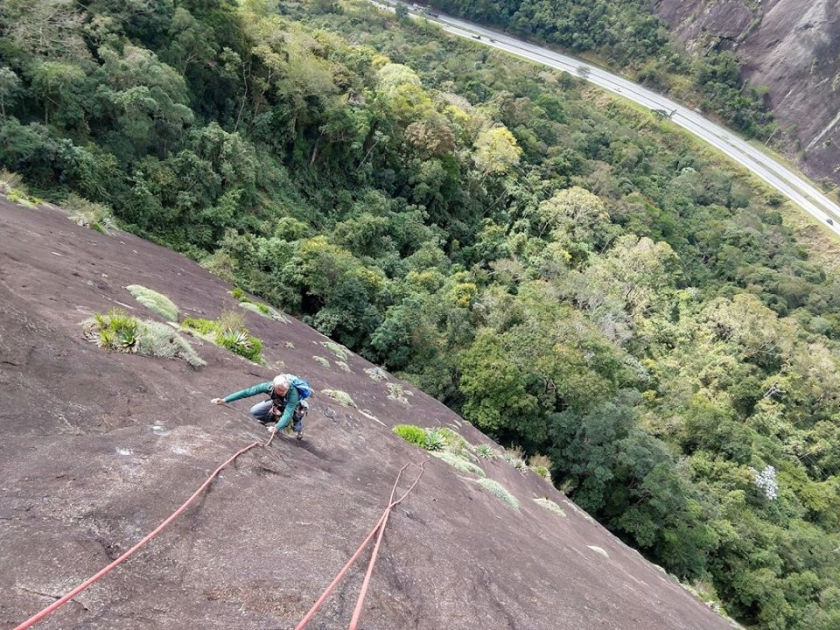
x,y
218,401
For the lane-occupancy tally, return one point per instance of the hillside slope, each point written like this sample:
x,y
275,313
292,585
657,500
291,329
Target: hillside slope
x,y
790,48
99,447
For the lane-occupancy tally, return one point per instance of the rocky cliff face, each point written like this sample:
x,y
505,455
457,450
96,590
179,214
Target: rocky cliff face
x,y
790,46
98,447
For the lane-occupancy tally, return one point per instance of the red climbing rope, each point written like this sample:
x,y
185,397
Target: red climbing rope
x,y
380,527
95,578
354,621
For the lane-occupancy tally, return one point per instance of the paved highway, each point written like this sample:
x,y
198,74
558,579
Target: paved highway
x,y
792,185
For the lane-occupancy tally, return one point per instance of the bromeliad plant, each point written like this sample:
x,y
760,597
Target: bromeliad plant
x,y
485,451
229,332
435,440
241,343
118,331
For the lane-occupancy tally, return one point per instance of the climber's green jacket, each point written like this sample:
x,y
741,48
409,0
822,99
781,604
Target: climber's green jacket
x,y
291,400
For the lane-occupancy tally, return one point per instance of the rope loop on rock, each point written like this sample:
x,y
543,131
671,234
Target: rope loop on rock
x,y
380,527
105,571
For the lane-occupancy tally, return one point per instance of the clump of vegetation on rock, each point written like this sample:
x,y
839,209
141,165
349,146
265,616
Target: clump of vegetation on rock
x,y
376,373
263,310
435,440
515,458
499,491
443,443
541,465
96,216
398,393
154,301
550,505
341,353
339,396
12,186
229,332
460,463
119,331
411,433
485,451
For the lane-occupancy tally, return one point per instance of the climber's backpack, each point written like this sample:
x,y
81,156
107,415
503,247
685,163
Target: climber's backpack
x,y
301,385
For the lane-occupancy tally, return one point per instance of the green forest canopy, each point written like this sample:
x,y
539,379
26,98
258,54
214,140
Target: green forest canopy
x,y
564,271
630,37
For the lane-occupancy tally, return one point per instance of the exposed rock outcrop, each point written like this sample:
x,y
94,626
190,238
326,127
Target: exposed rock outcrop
x,y
98,447
790,46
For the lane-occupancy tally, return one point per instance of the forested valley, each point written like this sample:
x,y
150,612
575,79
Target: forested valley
x,y
629,37
570,274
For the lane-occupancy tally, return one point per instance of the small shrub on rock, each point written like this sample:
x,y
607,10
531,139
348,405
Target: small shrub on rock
x,y
117,330
231,320
201,326
541,465
514,457
396,392
84,213
11,185
456,444
263,310
10,181
159,340
241,342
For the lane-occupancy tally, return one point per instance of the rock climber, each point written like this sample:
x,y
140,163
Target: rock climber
x,y
287,402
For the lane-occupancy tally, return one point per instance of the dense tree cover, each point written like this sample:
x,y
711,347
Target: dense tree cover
x,y
631,38
563,270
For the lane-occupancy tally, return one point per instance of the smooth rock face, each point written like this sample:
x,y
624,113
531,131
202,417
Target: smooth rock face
x,y
790,46
99,447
